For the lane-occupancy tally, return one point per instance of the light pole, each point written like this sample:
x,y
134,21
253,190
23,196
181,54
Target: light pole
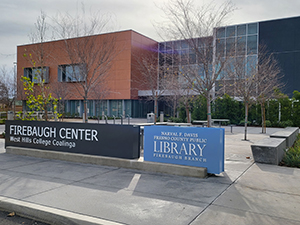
x,y
15,88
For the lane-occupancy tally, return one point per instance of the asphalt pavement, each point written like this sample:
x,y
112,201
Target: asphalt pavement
x,y
62,192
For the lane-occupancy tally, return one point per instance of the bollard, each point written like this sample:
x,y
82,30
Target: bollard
x,y
128,119
105,119
10,115
114,119
231,128
121,120
161,117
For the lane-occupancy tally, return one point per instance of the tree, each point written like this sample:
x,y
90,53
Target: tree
x,y
268,80
151,76
241,82
7,88
90,58
37,102
172,100
36,78
178,91
100,92
61,93
296,108
252,78
187,22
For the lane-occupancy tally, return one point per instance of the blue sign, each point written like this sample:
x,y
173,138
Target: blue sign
x,y
189,146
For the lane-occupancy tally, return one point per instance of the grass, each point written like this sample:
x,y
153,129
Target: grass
x,y
292,156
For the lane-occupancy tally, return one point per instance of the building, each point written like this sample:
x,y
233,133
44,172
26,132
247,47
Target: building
x,y
127,97
121,90
280,36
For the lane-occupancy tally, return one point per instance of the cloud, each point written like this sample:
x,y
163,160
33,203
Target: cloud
x,y
17,17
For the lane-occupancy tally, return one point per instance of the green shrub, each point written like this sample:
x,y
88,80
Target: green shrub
x,y
287,123
225,108
268,123
292,156
242,122
175,120
199,111
275,124
67,114
225,123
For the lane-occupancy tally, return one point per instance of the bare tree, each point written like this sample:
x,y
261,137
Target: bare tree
x,y
174,92
187,22
186,99
7,88
253,78
100,92
241,81
268,80
181,91
90,56
62,93
172,101
150,76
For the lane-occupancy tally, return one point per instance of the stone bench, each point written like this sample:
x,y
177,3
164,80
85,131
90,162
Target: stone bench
x,y
200,122
219,121
269,150
214,121
289,133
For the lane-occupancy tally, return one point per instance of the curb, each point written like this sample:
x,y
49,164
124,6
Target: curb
x,y
154,167
50,215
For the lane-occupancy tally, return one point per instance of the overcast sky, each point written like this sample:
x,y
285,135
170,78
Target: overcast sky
x,y
17,17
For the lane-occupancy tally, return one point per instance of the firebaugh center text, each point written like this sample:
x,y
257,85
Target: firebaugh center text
x,y
48,135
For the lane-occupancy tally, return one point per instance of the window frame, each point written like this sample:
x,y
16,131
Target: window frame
x,y
64,77
29,71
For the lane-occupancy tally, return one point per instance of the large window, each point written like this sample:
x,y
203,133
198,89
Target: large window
x,y
230,46
241,29
252,44
251,65
230,31
252,28
220,47
244,37
221,32
241,46
37,74
70,73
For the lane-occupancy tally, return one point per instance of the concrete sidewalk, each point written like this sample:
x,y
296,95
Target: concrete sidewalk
x,y
72,193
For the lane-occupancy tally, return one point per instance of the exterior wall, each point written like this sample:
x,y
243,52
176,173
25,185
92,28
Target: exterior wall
x,y
26,58
118,82
236,41
118,79
282,38
141,47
